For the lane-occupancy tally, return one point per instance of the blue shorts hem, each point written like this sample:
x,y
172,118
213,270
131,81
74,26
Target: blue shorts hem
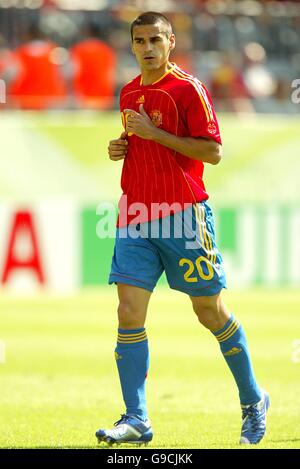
x,y
210,290
208,293
118,278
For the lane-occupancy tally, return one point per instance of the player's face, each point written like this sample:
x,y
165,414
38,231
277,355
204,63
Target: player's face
x,y
152,45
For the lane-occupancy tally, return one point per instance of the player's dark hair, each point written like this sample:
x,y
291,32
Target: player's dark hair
x,y
151,17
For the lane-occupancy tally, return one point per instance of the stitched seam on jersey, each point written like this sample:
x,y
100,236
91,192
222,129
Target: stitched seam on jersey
x,y
208,113
200,89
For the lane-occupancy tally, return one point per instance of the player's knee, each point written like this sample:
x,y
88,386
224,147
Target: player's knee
x,y
208,316
129,317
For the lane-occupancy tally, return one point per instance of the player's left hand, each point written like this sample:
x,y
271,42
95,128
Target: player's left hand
x,y
140,124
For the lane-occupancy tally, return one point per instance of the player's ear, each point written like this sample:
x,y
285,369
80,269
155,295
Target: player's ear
x,y
172,41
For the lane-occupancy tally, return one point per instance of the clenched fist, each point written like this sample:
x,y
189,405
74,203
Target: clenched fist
x,y
117,149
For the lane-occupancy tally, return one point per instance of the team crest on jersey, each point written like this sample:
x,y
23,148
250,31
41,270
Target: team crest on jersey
x,y
156,117
212,128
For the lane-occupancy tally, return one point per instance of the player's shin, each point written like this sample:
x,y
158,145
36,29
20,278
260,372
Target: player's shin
x,y
234,347
132,357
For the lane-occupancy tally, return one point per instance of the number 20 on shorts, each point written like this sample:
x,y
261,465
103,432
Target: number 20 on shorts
x,y
188,275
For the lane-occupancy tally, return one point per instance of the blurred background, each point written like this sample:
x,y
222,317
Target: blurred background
x,y
78,52
62,64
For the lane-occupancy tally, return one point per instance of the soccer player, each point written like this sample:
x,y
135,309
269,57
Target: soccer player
x,y
171,130
38,81
94,70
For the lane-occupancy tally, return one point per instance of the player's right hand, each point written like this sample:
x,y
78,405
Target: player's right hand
x,y
117,149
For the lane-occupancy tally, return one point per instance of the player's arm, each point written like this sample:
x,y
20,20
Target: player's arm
x,y
197,148
117,148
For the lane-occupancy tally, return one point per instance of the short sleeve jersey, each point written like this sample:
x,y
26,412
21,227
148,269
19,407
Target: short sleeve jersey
x,y
154,175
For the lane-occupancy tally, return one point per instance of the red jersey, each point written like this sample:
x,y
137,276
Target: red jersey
x,y
152,173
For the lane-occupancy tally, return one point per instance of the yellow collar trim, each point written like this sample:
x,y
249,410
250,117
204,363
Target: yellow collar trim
x,y
173,65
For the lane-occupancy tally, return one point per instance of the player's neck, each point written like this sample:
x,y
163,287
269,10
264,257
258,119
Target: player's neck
x,y
150,76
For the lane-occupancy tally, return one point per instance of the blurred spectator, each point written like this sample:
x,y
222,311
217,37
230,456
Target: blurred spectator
x,y
8,67
6,60
258,77
39,82
228,87
94,71
182,53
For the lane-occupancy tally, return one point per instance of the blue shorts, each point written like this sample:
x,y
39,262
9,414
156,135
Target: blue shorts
x,y
183,245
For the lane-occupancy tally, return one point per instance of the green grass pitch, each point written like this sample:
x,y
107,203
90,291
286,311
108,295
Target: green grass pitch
x,y
59,381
